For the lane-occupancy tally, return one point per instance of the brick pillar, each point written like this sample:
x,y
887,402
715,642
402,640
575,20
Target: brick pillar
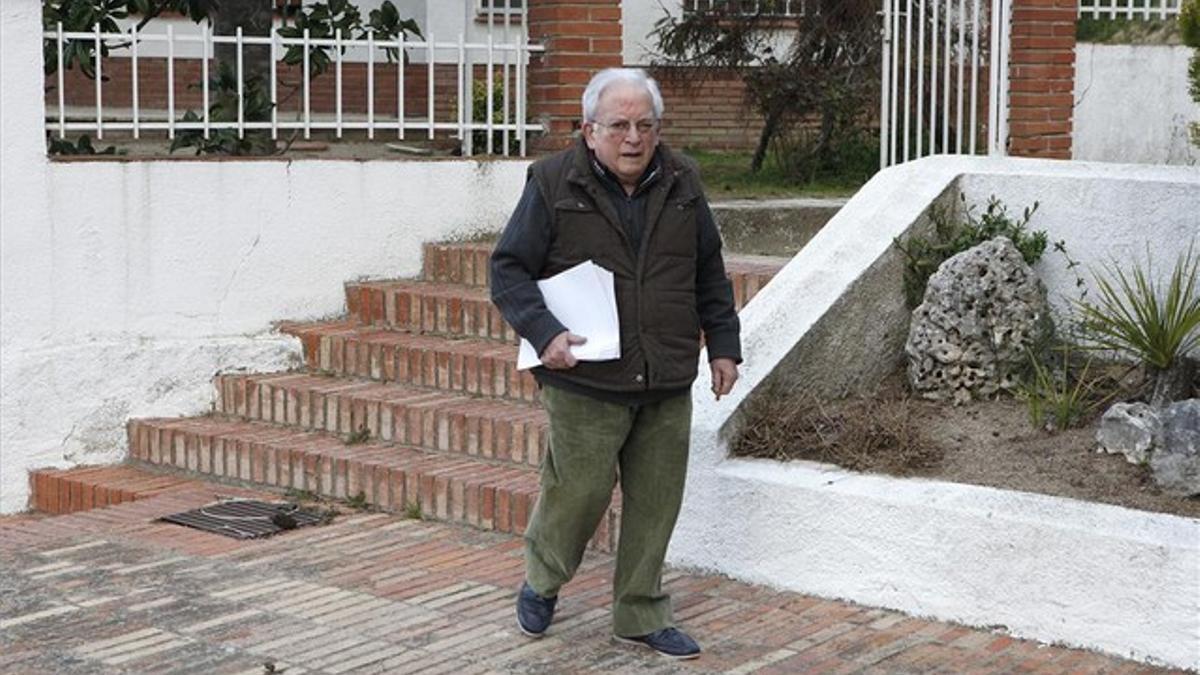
x,y
581,37
1042,78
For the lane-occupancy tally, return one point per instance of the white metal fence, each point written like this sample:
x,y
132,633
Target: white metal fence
x,y
504,65
1129,9
945,78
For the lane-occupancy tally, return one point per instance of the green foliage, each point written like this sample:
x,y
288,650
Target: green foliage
x,y
324,20
817,94
413,510
1063,397
1135,315
223,107
1189,28
479,114
358,502
362,435
953,236
82,147
82,16
1189,23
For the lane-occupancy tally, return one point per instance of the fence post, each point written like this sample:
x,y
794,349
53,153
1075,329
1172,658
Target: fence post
x,y
1042,78
580,38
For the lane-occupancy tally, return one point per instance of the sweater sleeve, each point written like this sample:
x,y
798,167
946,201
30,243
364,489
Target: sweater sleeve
x,y
714,291
516,264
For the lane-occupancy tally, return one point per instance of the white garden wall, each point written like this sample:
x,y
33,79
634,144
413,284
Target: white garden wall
x,y
1132,105
127,285
1054,569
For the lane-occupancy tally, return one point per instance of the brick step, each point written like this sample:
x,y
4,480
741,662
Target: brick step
x,y
466,263
427,307
58,491
459,489
469,365
456,309
457,262
496,430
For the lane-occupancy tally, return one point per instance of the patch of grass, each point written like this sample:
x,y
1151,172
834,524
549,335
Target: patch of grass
x,y
865,433
361,435
1063,397
727,175
358,502
301,495
413,510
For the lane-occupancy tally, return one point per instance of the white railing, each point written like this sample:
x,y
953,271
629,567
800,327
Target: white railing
x,y
935,54
504,64
1129,9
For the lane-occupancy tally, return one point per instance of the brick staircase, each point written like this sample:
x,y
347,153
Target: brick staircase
x,y
412,400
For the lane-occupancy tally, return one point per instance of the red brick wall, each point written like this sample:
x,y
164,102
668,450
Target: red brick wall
x,y
711,114
1042,78
581,37
152,88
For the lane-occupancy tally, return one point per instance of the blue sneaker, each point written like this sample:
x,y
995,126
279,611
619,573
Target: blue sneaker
x,y
534,613
670,642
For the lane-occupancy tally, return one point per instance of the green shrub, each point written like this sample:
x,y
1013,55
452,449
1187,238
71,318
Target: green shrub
x,y
1135,315
82,147
953,236
479,92
1189,28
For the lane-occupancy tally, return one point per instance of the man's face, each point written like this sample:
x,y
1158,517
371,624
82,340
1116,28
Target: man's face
x,y
626,152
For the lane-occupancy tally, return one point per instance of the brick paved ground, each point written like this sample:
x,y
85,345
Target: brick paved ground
x,y
108,590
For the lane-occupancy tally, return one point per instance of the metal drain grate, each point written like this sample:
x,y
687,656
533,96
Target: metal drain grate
x,y
245,518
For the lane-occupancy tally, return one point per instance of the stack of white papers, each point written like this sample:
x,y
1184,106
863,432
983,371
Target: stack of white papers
x,y
582,299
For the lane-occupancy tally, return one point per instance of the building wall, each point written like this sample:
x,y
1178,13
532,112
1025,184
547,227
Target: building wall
x,y
125,285
711,113
1132,104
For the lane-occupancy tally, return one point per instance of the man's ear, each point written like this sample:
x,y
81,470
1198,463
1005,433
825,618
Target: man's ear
x,y
589,134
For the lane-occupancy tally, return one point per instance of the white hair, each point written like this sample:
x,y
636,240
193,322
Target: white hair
x,y
604,79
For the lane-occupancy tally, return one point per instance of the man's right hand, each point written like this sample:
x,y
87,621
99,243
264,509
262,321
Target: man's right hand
x,y
557,355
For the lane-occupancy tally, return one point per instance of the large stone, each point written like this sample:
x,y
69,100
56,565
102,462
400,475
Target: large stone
x,y
1176,462
1130,429
982,310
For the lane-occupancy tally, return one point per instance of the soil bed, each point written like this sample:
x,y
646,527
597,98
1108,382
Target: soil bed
x,y
988,443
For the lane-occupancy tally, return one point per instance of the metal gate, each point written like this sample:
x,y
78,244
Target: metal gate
x,y
945,78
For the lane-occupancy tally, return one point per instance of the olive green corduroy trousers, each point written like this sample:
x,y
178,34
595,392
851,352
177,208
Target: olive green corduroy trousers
x,y
592,443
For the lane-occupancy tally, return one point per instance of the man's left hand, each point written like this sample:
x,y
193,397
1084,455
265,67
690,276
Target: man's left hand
x,y
724,374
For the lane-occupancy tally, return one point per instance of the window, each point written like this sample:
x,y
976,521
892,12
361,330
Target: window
x,y
499,7
748,7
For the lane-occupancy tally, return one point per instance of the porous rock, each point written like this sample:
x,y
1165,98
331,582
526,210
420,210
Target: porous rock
x,y
1176,462
982,310
1130,429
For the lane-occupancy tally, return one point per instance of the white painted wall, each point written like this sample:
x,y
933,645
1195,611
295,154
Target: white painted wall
x,y
1132,104
1054,569
637,20
127,285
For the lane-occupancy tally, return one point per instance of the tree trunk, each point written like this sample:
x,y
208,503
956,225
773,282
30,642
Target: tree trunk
x,y
1174,383
255,17
770,128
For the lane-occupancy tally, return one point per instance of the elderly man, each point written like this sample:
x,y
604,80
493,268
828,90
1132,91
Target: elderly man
x,y
623,200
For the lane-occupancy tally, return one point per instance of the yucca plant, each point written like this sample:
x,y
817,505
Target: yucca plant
x,y
1134,315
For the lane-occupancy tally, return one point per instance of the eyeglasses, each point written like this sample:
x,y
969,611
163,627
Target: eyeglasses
x,y
621,128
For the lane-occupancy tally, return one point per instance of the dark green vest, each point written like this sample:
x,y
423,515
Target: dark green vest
x,y
656,290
